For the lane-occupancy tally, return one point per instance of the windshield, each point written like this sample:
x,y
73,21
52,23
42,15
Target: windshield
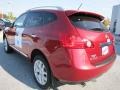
x,y
87,22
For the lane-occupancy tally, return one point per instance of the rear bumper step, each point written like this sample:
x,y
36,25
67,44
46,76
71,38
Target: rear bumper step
x,y
107,61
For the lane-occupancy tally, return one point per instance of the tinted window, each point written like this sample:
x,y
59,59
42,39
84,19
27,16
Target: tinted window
x,y
87,22
39,18
49,17
34,19
20,21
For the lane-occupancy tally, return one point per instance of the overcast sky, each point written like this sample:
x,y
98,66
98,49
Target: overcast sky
x,y
103,7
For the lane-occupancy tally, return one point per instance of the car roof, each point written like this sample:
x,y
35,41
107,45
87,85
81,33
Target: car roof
x,y
68,12
47,8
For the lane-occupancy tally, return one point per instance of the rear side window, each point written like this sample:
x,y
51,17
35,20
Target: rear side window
x,y
39,18
49,17
34,19
87,22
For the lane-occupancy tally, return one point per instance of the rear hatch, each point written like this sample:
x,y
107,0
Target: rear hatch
x,y
90,27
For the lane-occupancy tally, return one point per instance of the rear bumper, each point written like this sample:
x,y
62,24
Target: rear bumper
x,y
86,73
74,65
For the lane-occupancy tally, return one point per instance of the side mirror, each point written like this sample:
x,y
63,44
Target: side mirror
x,y
6,28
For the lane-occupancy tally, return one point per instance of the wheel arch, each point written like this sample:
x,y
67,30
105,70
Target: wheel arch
x,y
38,52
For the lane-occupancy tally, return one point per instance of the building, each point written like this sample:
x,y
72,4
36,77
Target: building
x,y
115,23
115,20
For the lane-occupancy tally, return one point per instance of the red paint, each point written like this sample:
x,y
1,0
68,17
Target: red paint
x,y
69,58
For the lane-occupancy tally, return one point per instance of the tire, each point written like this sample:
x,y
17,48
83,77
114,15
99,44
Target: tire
x,y
42,72
7,48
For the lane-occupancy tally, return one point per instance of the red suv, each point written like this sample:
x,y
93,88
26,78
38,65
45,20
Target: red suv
x,y
69,45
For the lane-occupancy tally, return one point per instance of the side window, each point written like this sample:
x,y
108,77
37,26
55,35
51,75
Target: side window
x,y
34,19
49,17
20,21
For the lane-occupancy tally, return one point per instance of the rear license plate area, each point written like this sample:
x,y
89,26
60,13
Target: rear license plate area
x,y
105,50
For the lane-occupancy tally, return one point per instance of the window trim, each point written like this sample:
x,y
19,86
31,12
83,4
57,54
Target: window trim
x,y
42,12
29,13
23,22
50,13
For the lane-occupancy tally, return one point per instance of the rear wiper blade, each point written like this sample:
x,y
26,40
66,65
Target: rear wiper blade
x,y
98,29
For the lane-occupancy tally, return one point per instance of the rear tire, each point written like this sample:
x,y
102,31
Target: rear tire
x,y
42,72
7,48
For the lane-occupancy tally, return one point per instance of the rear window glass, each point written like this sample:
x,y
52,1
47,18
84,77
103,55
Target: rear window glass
x,y
87,22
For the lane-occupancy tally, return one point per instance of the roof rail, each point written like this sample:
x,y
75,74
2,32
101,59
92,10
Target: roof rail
x,y
47,7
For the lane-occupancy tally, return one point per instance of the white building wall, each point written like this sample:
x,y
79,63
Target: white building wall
x,y
115,18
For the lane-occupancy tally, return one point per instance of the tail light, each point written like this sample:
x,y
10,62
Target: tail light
x,y
75,42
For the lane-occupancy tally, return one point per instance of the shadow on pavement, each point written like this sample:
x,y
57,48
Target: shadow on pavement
x,y
18,66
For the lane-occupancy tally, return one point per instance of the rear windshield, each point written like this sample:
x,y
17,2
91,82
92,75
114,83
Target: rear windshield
x,y
87,22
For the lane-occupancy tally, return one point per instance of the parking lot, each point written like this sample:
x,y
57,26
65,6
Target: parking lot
x,y
16,74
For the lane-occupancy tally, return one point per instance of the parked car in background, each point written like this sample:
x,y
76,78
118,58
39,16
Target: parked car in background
x,y
68,45
4,23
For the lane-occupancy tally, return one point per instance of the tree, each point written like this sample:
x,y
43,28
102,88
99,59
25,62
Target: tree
x,y
106,22
10,16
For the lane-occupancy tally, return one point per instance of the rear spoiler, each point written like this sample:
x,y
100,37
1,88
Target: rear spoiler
x,y
83,13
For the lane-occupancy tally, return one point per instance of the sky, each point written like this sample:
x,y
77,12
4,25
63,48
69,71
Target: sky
x,y
103,7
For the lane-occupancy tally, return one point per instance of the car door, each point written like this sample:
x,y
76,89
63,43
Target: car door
x,y
33,25
14,33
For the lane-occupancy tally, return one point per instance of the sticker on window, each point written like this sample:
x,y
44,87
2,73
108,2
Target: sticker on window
x,y
18,37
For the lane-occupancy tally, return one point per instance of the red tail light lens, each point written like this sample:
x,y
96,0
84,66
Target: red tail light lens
x,y
75,42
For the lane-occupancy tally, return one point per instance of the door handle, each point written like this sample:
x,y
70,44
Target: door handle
x,y
33,35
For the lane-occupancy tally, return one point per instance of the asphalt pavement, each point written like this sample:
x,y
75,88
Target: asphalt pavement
x,y
16,74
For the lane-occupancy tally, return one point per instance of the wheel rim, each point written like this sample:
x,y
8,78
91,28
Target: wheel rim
x,y
40,72
5,45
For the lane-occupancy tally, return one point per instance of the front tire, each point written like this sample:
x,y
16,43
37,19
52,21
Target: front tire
x,y
42,72
7,48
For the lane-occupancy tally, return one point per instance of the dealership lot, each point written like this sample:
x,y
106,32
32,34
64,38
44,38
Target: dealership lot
x,y
16,74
